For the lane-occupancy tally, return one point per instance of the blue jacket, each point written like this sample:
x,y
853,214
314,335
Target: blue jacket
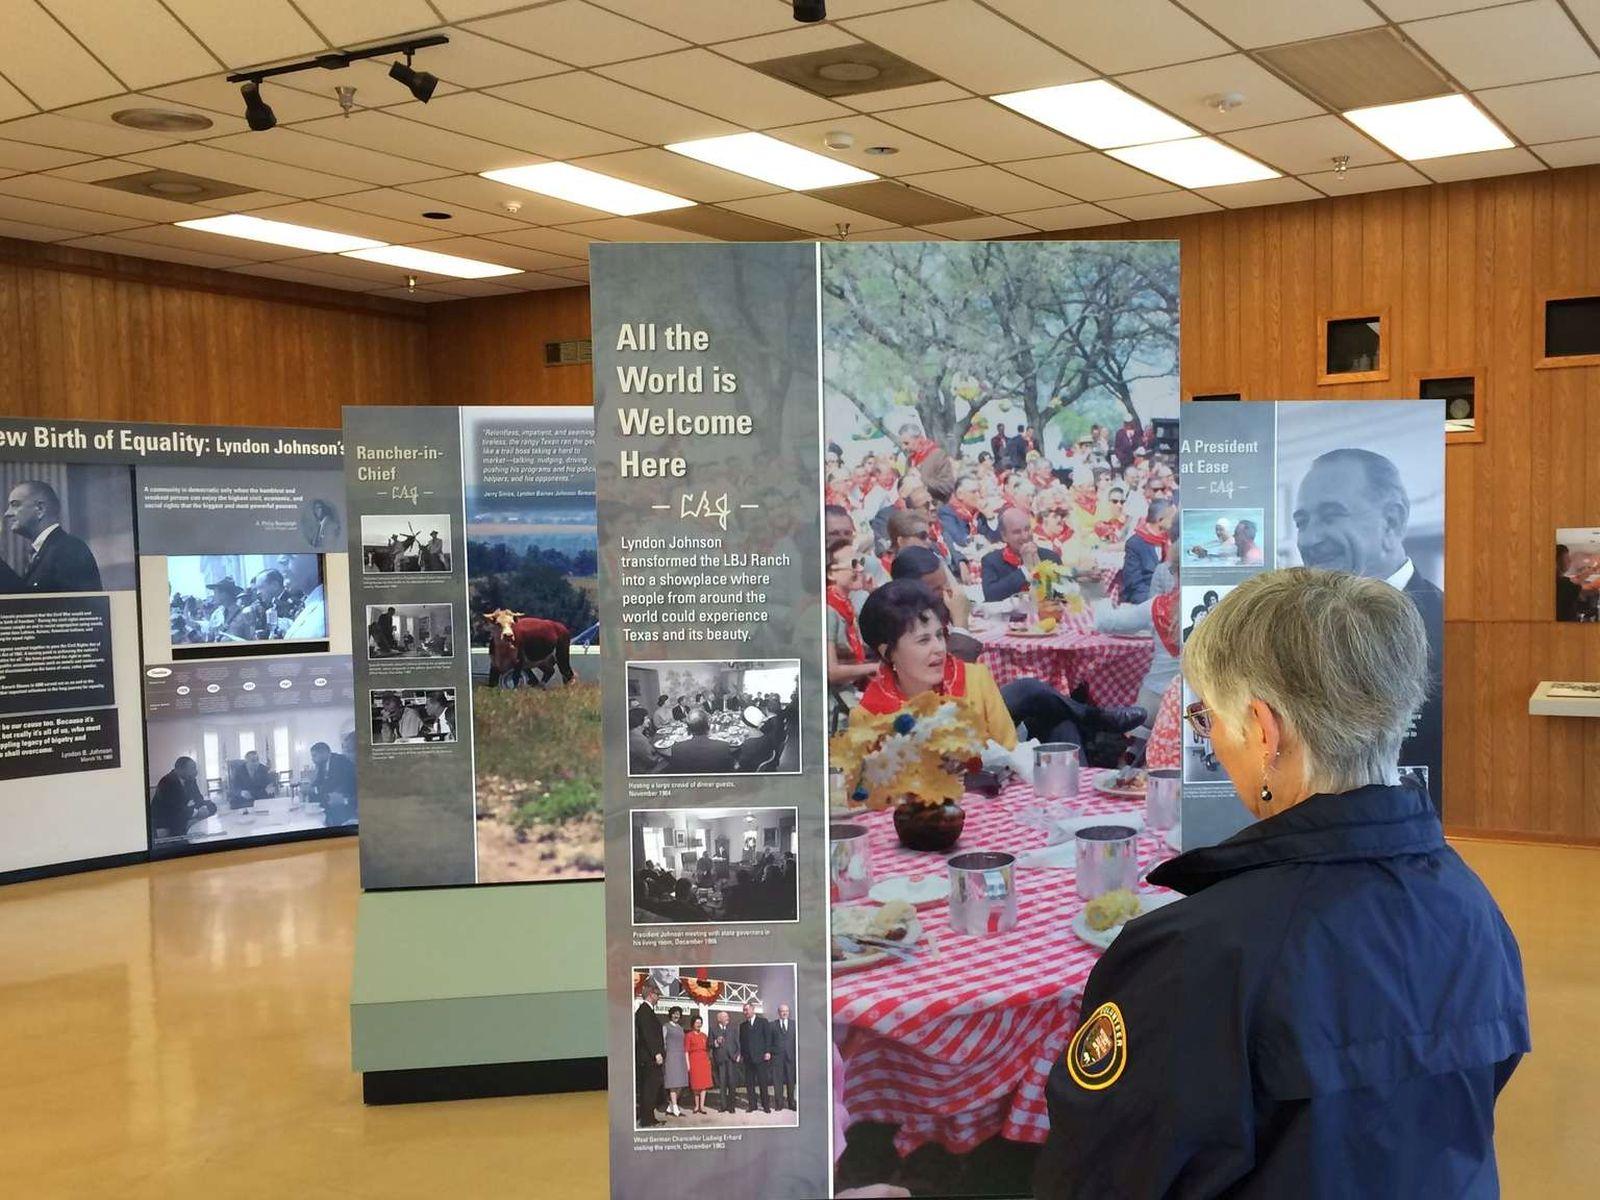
x,y
1139,562
1330,1012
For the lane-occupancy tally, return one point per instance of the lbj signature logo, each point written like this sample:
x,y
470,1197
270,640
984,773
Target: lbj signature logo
x,y
705,506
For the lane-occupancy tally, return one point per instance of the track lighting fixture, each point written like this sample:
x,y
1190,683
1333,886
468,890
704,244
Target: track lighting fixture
x,y
421,84
258,113
810,10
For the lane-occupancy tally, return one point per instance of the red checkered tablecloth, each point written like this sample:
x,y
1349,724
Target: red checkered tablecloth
x,y
1166,736
1074,653
957,1048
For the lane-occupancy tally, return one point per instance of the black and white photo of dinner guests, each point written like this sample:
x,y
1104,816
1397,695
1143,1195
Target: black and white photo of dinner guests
x,y
714,718
715,1047
714,865
1578,575
67,528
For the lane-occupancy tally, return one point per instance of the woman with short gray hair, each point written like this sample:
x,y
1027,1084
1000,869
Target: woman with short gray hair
x,y
1334,1007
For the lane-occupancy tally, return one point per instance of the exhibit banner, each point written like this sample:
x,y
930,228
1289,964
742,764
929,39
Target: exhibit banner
x,y
877,523
480,744
113,533
1345,485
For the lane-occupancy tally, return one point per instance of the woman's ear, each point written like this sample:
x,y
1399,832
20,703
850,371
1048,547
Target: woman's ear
x,y
1265,730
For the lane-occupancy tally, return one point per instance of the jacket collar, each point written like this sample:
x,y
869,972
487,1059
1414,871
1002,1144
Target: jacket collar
x,y
1368,823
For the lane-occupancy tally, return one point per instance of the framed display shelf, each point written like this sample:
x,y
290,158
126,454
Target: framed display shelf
x,y
1353,345
1214,395
1452,385
1565,703
1573,320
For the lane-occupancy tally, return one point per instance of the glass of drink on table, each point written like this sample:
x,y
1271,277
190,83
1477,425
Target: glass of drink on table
x,y
1055,771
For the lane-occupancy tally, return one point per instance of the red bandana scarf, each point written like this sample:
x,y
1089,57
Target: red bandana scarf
x,y
1161,617
1155,537
840,603
883,694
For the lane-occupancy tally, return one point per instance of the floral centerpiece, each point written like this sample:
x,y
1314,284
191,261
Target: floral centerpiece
x,y
1054,589
914,761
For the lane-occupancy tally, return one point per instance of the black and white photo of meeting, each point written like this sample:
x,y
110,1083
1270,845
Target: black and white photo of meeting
x,y
409,631
714,718
413,716
714,865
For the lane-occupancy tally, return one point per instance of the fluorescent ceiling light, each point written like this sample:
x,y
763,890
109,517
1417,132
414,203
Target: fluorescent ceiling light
x,y
280,233
1097,113
588,188
434,263
1431,128
771,161
1199,162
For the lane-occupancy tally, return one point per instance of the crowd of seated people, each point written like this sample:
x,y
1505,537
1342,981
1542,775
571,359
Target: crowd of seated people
x,y
759,888
766,723
263,611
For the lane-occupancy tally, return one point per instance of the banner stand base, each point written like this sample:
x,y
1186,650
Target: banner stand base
x,y
484,1080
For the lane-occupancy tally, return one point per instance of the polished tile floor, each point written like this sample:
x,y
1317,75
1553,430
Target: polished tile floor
x,y
180,1030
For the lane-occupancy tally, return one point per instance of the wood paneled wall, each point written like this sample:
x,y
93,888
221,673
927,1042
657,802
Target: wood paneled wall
x,y
491,350
102,337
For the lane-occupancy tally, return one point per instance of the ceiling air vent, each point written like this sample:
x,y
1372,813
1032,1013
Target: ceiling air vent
x,y
852,70
569,353
1357,70
174,185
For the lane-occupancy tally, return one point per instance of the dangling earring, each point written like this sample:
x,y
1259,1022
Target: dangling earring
x,y
1266,792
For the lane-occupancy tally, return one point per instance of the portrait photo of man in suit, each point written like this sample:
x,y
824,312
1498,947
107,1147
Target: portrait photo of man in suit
x,y
56,560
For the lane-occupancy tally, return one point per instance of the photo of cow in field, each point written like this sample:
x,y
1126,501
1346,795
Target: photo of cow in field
x,y
522,647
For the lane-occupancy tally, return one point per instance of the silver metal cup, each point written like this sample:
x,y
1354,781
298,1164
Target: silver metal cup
x,y
849,863
1055,771
983,893
1108,859
1163,799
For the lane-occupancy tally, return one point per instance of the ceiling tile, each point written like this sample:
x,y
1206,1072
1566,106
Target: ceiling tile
x,y
199,159
111,244
1514,161
524,258
349,221
723,224
319,154
914,155
209,243
101,112
20,156
1113,36
1513,44
33,233
64,133
1252,23
405,206
381,130
1187,92
1588,14
13,103
703,21
1554,111
988,189
678,175
271,30
570,273
373,273
800,211
350,22
369,77
918,93
1089,176
52,189
726,89
497,120
1411,10
802,39
479,62
1151,208
578,33
982,129
244,201
989,55
94,170
1067,216
488,196
138,39
293,273
413,296
626,229
1264,191
215,94
44,62
977,229
838,10
557,241
898,235
1577,153
1300,147
471,287
615,107
59,216
1380,178
543,281
465,10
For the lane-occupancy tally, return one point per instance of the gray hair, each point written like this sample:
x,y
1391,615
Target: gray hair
x,y
1342,660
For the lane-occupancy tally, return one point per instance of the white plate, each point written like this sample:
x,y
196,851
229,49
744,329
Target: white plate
x,y
925,890
1064,829
1150,901
1104,783
1174,839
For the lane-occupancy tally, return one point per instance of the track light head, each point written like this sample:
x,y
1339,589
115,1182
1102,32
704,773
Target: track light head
x,y
258,113
810,10
419,83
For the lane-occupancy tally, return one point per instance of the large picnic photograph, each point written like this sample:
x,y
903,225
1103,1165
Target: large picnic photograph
x,y
531,567
1001,625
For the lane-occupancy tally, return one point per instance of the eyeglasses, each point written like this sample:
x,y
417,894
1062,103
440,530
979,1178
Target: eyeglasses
x,y
1199,718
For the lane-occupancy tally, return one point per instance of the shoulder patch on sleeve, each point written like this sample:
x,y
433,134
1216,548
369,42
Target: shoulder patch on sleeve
x,y
1099,1050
